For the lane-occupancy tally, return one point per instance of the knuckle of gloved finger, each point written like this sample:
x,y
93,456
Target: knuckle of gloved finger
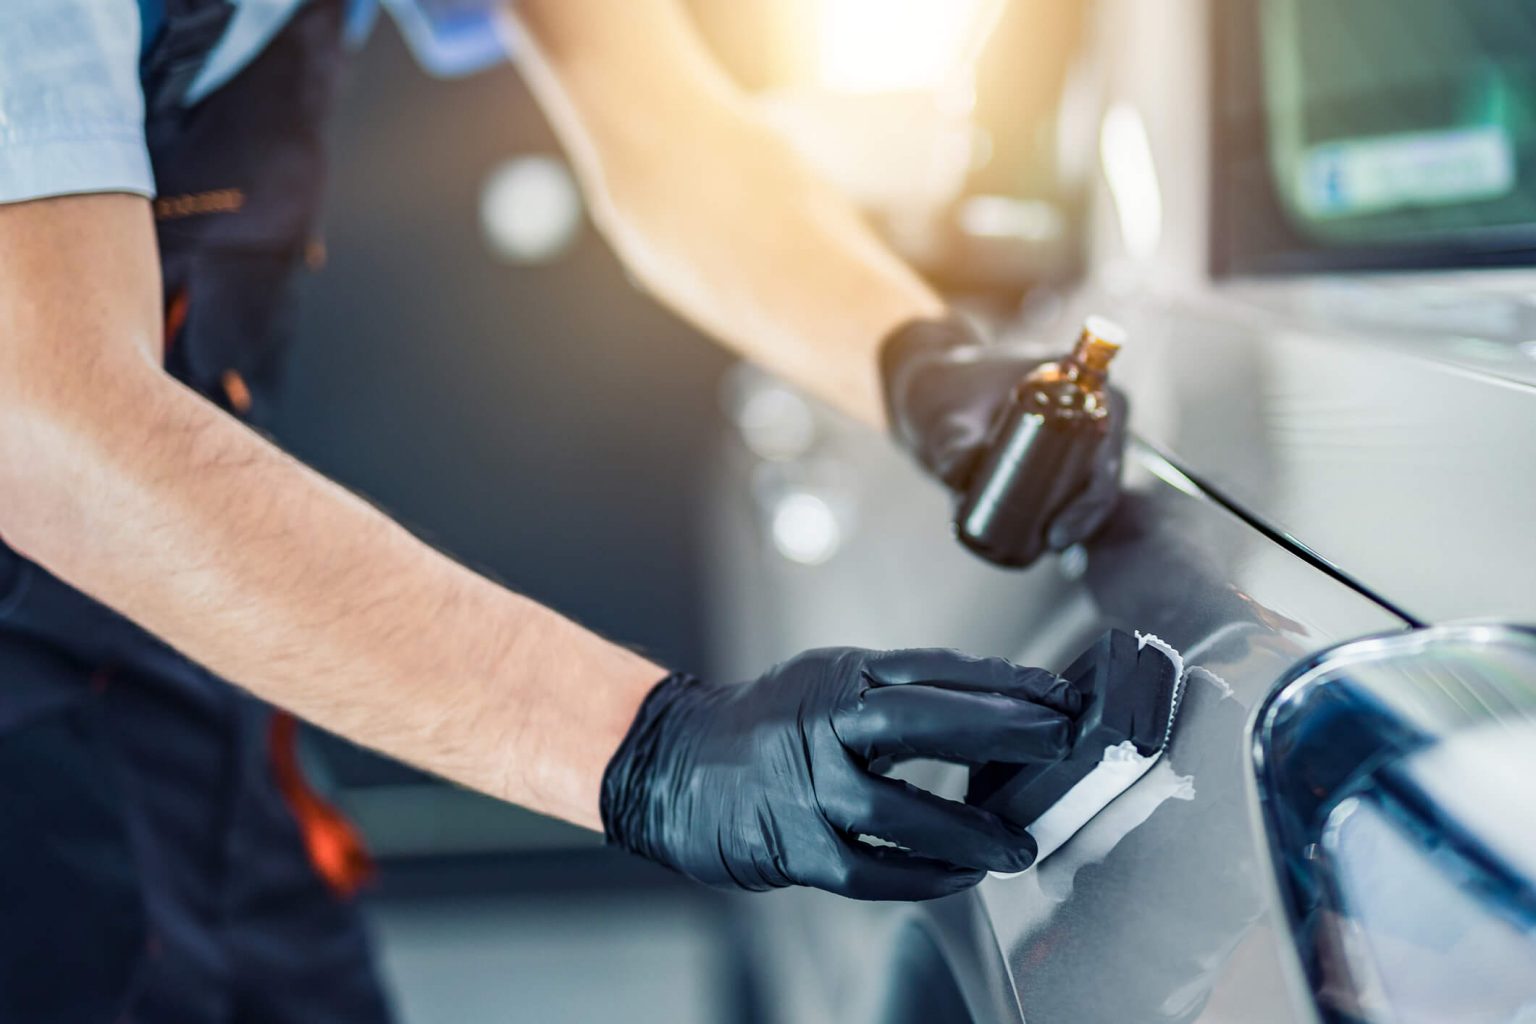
x,y
830,673
970,674
875,726
1035,680
999,674
843,875
1053,736
1028,724
845,807
849,665
1058,694
883,668
833,656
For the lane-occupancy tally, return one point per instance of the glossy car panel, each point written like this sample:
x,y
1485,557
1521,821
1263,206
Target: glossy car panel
x,y
1407,471
1317,460
1157,906
1156,909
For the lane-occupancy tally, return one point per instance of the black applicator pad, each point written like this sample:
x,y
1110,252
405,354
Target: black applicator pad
x,y
1128,694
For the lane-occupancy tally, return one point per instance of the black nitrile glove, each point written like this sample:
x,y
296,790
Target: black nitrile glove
x,y
768,784
944,388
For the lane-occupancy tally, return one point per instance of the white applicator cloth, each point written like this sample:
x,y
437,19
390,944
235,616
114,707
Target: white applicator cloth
x,y
1121,768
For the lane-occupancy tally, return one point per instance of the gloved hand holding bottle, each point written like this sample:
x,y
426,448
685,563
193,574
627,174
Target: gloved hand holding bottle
x,y
769,783
948,401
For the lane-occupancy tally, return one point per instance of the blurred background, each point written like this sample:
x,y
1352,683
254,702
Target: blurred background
x,y
474,360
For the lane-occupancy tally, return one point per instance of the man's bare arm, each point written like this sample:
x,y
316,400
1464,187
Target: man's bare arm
x,y
137,491
707,205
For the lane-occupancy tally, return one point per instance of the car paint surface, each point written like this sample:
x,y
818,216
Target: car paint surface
x,y
1394,461
1316,460
1157,906
1337,460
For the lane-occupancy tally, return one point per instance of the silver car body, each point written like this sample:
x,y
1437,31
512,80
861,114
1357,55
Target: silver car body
x,y
1316,459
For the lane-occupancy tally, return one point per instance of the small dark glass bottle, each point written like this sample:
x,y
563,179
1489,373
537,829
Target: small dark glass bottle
x,y
1041,451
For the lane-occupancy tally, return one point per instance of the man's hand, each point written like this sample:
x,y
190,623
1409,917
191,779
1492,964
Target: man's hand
x,y
768,784
944,388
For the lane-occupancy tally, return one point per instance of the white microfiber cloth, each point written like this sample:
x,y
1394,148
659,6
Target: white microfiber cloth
x,y
1121,768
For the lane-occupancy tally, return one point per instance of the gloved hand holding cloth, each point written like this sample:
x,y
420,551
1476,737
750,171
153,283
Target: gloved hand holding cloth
x,y
770,783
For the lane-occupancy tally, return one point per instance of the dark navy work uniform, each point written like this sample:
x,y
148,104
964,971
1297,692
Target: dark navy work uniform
x,y
161,859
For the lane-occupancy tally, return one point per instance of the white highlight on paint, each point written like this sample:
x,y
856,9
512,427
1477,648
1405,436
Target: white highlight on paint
x,y
1120,769
1131,172
1168,473
805,529
1122,817
530,209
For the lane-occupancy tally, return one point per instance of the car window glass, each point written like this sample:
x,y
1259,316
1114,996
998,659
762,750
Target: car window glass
x,y
1398,131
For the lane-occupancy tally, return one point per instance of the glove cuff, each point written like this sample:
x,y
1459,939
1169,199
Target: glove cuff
x,y
624,800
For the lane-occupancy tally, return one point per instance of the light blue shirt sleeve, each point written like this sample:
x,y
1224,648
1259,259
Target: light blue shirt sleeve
x,y
452,38
71,108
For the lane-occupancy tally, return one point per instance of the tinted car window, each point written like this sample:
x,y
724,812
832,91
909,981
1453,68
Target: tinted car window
x,y
1374,133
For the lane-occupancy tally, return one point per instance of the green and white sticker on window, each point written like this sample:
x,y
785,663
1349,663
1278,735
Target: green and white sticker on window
x,y
1352,177
1390,120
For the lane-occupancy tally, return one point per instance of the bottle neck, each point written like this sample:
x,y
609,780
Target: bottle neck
x,y
1091,359
1086,381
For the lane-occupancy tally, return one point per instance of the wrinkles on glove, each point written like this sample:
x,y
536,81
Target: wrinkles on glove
x,y
770,783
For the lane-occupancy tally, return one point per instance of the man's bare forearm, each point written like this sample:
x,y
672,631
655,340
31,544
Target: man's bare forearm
x,y
137,491
708,206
